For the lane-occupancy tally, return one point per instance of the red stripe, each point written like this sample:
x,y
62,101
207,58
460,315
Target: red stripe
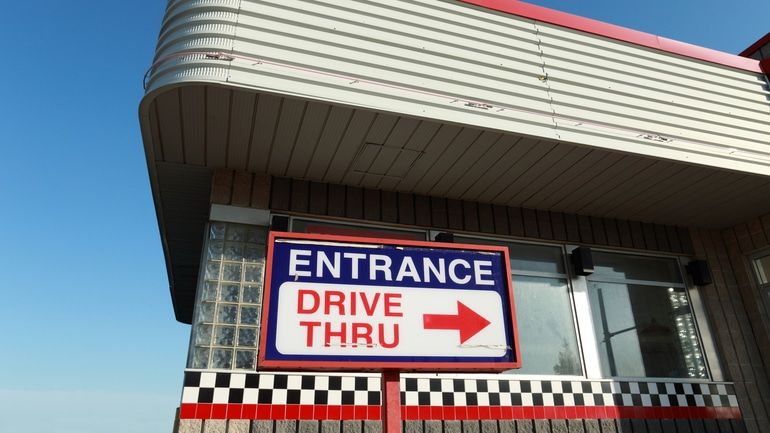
x,y
765,65
372,412
612,31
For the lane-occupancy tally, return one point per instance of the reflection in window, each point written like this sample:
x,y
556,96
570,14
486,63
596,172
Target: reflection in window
x,y
546,329
547,335
644,326
762,267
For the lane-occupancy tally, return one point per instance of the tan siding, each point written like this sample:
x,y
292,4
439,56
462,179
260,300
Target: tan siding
x,y
222,187
317,203
315,198
734,304
242,183
260,192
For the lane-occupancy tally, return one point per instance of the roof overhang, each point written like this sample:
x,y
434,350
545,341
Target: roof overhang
x,y
490,101
220,127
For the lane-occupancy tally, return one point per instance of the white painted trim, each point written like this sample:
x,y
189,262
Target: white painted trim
x,y
703,328
585,325
239,215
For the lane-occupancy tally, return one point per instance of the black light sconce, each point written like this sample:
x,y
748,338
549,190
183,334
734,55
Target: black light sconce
x,y
445,237
700,272
280,223
582,261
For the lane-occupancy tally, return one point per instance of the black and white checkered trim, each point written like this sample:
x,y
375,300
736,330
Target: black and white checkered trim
x,y
490,392
268,388
323,389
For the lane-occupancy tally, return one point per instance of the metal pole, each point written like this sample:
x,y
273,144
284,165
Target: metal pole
x,y
607,334
391,401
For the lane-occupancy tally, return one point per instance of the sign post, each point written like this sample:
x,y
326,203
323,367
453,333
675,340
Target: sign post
x,y
391,401
348,303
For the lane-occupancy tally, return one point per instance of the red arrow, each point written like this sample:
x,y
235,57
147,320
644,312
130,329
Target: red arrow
x,y
467,321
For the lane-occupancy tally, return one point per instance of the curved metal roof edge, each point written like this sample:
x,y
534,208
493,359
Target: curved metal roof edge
x,y
599,28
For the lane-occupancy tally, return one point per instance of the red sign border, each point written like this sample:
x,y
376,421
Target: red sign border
x,y
266,364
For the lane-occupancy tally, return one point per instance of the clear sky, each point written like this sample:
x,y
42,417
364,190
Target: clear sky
x,y
88,341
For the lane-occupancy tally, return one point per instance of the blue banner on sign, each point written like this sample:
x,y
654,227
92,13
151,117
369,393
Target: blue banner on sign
x,y
363,302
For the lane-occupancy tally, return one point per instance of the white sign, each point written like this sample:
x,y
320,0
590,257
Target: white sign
x,y
325,319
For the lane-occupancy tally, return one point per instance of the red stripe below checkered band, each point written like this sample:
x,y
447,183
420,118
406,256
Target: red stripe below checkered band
x,y
446,413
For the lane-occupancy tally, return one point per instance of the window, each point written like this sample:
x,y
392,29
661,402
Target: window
x,y
543,309
328,228
762,268
226,321
642,318
633,317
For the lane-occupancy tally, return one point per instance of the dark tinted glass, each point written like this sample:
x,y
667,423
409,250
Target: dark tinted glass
x,y
645,331
629,267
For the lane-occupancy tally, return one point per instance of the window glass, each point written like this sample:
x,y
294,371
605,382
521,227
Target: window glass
x,y
527,257
762,265
629,267
546,329
536,258
327,228
643,330
547,334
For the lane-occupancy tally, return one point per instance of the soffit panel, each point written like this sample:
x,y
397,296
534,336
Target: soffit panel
x,y
321,142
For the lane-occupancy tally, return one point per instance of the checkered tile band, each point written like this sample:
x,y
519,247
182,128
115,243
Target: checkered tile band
x,y
358,397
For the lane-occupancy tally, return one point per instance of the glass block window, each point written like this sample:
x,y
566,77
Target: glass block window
x,y
228,307
642,318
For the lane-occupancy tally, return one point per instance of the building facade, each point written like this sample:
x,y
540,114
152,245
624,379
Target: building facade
x,y
489,122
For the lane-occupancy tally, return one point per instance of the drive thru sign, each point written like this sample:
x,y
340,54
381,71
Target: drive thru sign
x,y
361,303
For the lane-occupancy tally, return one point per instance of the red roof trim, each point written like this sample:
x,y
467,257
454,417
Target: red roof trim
x,y
765,66
612,31
764,40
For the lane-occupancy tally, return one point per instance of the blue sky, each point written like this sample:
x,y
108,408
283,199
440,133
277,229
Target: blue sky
x,y
89,342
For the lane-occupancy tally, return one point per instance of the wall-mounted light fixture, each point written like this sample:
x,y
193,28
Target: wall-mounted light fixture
x,y
280,223
582,261
700,272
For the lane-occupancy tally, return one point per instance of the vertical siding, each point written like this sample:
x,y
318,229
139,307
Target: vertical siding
x,y
313,198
